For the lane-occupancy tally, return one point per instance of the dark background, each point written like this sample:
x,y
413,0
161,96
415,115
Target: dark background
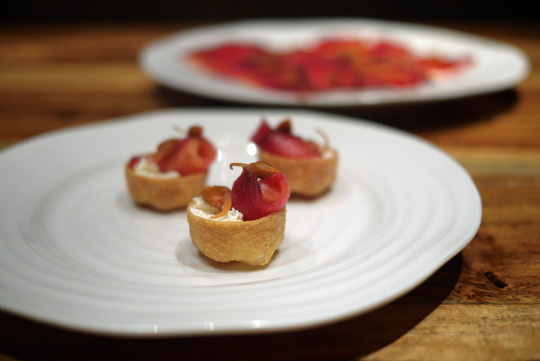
x,y
58,11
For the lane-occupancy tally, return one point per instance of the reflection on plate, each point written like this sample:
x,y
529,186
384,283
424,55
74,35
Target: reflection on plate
x,y
76,252
496,66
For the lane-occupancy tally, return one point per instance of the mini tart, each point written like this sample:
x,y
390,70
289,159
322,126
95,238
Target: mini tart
x,y
250,242
164,194
307,177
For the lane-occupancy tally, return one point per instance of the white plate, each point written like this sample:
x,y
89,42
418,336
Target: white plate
x,y
496,66
76,252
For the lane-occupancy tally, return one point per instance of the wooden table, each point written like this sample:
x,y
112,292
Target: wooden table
x,y
484,304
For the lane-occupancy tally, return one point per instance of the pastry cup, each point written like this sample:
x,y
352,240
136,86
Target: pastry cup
x,y
307,177
164,194
250,242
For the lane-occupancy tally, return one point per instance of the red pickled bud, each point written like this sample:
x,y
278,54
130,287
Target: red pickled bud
x,y
190,155
257,197
281,142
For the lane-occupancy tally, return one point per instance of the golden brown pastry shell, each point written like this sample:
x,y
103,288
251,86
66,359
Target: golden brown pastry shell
x,y
307,177
250,242
164,194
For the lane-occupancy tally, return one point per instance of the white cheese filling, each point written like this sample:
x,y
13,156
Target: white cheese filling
x,y
328,153
147,168
202,209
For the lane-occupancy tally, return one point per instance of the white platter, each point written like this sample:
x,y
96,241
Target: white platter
x,y
76,252
496,66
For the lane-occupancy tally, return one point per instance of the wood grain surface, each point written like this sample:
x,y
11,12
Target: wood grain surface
x,y
484,304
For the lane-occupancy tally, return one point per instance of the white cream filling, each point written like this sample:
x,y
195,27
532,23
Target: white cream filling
x,y
327,153
147,168
202,209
